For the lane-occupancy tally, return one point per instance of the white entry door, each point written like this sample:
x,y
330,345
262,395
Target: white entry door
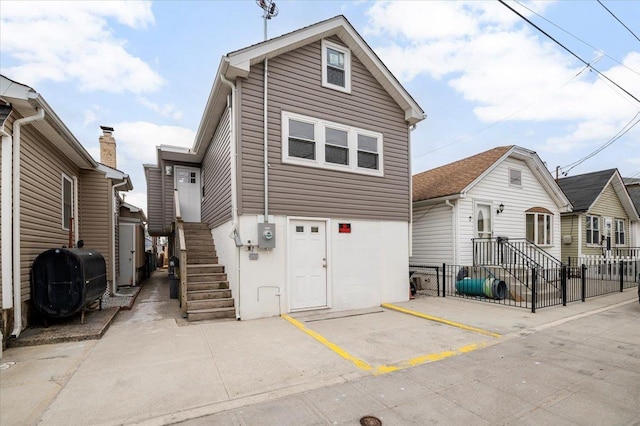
x,y
484,227
127,255
188,186
307,264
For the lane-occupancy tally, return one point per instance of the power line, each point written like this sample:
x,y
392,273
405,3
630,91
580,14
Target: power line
x,y
566,48
625,129
616,18
577,38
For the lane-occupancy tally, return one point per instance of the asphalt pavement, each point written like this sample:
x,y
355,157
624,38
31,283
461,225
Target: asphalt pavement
x,y
438,361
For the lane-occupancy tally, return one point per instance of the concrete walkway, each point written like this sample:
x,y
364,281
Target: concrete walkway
x,y
567,365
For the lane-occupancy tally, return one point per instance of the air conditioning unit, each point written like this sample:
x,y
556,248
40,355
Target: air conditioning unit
x,y
567,239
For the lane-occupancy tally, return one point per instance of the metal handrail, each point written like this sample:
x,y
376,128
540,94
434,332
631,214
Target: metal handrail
x,y
182,247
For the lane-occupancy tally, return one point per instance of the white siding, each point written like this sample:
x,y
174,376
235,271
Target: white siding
x,y
433,235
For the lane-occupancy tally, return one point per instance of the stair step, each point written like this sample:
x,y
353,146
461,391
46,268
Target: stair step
x,y
198,305
208,294
202,261
211,314
205,269
200,278
211,285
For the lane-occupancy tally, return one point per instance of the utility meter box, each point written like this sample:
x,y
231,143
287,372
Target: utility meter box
x,y
266,235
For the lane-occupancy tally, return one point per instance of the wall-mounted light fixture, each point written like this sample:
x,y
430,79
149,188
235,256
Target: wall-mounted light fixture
x,y
500,208
168,170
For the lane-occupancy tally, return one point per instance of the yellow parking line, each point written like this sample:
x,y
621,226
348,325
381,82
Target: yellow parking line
x,y
383,369
440,320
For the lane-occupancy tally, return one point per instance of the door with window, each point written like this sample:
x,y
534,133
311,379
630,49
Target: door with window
x,y
307,264
188,186
483,232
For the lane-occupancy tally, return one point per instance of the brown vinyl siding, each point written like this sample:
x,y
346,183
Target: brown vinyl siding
x,y
155,208
295,85
94,210
42,166
216,169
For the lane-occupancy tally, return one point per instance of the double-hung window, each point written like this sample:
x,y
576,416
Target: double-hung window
x,y
320,143
67,202
620,232
539,227
336,66
593,230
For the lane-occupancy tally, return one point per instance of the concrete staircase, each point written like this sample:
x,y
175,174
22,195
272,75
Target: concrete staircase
x,y
208,294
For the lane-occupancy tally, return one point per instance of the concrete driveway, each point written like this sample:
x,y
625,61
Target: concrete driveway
x,y
152,367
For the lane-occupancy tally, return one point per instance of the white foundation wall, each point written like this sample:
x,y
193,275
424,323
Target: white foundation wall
x,y
365,268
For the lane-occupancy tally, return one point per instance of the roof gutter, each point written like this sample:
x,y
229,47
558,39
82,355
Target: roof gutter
x,y
17,294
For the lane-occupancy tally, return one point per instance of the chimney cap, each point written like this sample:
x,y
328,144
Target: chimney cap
x,y
106,128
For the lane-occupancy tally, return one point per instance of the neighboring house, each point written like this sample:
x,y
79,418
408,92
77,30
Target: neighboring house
x,y
633,188
602,218
503,192
59,195
311,209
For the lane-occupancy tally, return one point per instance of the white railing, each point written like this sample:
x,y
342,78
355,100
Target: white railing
x,y
609,268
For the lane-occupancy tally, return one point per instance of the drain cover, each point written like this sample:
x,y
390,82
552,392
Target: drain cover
x,y
370,421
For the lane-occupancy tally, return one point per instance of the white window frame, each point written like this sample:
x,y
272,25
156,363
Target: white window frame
x,y
589,218
319,137
620,230
511,180
547,218
65,223
347,66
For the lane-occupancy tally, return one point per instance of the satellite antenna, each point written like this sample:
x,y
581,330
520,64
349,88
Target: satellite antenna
x,y
270,10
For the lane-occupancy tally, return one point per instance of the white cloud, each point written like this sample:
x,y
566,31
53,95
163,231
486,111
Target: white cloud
x,y
166,110
63,41
89,117
504,68
137,141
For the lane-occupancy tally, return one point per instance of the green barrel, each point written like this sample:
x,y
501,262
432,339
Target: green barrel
x,y
471,286
495,288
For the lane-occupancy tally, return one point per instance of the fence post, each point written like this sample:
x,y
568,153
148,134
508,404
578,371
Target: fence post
x,y
621,276
534,278
444,280
563,284
583,286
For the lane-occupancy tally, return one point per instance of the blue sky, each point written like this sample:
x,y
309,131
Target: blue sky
x,y
484,77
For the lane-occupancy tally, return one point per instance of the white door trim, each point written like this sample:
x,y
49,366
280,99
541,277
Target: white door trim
x,y
198,190
475,216
327,222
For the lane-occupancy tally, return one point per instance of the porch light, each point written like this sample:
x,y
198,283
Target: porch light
x,y
168,170
500,208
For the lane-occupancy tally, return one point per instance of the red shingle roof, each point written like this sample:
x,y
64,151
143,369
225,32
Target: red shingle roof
x,y
453,178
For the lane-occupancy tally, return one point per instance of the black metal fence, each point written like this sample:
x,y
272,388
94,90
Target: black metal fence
x,y
530,288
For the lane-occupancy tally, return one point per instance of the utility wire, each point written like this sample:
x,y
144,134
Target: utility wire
x,y
616,18
577,38
627,127
566,48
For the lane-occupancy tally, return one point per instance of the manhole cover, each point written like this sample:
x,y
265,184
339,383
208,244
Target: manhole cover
x,y
370,421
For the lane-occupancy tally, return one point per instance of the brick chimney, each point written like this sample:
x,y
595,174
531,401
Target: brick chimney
x,y
108,147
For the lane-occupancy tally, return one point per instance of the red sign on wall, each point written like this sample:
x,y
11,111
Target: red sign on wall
x,y
344,228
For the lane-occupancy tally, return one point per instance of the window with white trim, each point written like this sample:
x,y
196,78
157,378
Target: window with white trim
x,y
539,228
515,177
67,201
593,230
336,66
620,232
320,143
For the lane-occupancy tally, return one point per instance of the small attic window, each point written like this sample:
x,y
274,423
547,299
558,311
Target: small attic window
x,y
336,66
515,177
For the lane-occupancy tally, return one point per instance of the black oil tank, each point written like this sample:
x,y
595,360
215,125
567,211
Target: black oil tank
x,y
63,280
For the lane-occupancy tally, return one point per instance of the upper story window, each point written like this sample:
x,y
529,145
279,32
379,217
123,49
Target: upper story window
x,y
67,202
539,227
620,232
319,143
515,177
336,66
593,230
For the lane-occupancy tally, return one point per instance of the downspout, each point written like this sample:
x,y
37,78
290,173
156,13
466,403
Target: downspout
x,y
76,222
7,253
235,232
17,293
114,286
412,127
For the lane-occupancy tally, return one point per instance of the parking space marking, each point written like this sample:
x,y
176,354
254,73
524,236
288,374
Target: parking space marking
x,y
383,369
440,320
